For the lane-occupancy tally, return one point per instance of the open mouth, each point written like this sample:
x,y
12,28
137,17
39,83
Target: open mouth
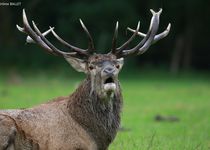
x,y
109,85
109,80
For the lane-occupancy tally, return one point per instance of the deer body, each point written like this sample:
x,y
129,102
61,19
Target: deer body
x,y
89,118
46,128
68,123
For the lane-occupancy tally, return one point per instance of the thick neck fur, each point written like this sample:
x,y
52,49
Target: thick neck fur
x,y
99,117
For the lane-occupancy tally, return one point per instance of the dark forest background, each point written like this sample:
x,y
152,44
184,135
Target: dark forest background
x,y
185,48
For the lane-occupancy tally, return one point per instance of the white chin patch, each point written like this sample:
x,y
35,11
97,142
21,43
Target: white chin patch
x,y
109,87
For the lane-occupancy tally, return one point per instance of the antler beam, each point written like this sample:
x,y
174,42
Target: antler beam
x,y
35,36
149,38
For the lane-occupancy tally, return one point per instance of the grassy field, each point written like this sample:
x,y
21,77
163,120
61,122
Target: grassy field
x,y
146,94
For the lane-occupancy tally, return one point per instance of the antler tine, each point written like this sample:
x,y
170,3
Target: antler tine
x,y
114,40
20,28
79,50
35,36
49,44
157,37
28,38
27,29
148,39
119,49
155,26
91,47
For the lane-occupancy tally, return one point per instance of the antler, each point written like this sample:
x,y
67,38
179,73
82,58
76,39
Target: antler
x,y
117,50
149,38
35,36
157,37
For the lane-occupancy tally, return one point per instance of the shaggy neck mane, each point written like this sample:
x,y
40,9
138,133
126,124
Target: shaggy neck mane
x,y
99,118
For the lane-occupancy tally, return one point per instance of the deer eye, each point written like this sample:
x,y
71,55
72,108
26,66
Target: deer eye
x,y
117,66
91,67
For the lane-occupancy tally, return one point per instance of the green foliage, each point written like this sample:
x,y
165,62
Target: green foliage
x,y
146,94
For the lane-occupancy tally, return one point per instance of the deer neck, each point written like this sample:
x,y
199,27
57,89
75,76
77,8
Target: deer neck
x,y
99,118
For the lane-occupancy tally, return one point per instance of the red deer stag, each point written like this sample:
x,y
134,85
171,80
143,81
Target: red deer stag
x,y
89,118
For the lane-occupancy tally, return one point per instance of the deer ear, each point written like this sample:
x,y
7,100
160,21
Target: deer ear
x,y
121,62
78,64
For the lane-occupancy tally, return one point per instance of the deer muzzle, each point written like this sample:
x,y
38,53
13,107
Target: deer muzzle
x,y
109,76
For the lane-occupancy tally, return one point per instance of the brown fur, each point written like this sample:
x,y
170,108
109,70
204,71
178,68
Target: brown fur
x,y
80,121
12,137
101,119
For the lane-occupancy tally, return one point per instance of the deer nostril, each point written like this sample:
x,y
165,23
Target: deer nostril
x,y
109,70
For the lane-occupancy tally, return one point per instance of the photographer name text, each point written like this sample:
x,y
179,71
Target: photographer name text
x,y
10,3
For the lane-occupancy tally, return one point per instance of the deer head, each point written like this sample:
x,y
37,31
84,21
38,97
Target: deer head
x,y
102,69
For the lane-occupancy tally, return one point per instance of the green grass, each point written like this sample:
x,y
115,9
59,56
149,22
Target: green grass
x,y
146,94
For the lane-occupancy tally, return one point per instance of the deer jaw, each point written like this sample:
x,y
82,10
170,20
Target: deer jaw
x,y
103,86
